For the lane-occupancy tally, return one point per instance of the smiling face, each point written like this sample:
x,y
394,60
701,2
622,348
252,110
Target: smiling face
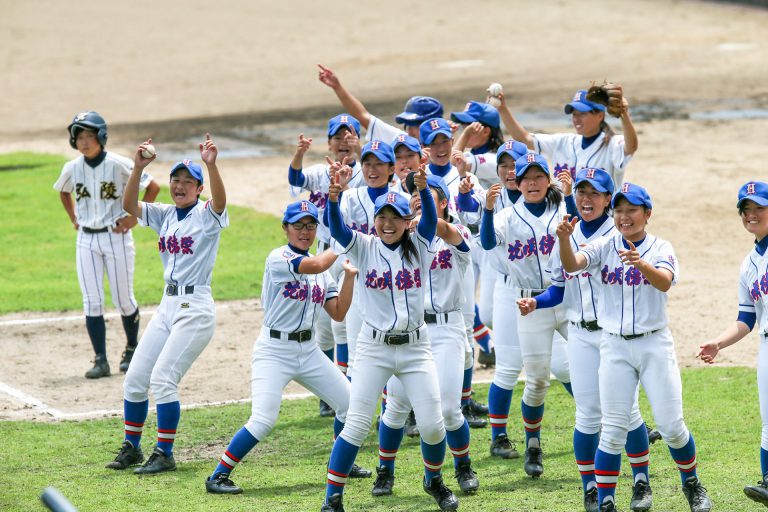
x,y
506,171
591,203
405,161
587,124
88,143
534,184
390,226
336,145
304,237
440,150
184,188
755,219
442,204
375,172
631,219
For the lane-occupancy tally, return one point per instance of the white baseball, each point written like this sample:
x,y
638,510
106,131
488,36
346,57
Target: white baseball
x,y
495,89
149,152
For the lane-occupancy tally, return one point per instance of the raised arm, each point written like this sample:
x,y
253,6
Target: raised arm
x,y
630,135
295,176
349,102
513,126
449,233
660,278
571,261
339,231
209,152
131,202
337,307
487,230
428,222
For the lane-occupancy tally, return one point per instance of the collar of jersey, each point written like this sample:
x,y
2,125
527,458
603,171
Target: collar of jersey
x,y
536,209
587,141
95,162
481,150
298,251
636,244
761,246
439,170
514,195
375,192
182,212
391,247
589,227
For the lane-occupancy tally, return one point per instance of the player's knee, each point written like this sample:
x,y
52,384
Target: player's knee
x,y
535,390
394,419
506,378
163,387
764,437
127,309
261,424
93,306
135,385
675,433
613,439
469,359
486,313
355,429
452,416
433,432
588,419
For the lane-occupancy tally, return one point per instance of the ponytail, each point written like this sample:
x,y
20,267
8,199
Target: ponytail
x,y
608,131
554,194
409,248
495,139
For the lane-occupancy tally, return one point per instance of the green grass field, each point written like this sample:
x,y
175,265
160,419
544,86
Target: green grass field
x,y
286,472
37,271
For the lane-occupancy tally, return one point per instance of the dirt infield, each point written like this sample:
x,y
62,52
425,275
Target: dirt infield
x,y
695,74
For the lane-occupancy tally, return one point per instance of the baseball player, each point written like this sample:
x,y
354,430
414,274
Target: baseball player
x,y
525,231
578,293
443,292
295,286
104,240
636,269
593,145
343,146
753,310
183,324
417,110
393,339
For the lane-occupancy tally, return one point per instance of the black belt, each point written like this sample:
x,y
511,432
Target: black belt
x,y
525,293
395,339
299,336
322,245
591,326
174,290
92,231
432,319
635,336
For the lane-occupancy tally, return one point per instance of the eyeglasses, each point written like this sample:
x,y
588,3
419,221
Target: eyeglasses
x,y
310,226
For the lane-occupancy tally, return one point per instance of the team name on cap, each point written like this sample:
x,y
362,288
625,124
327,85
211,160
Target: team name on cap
x,y
401,138
590,173
344,119
434,124
375,145
625,188
531,157
391,198
750,188
304,206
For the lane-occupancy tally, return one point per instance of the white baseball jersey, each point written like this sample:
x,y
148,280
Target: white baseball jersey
x,y
528,242
379,130
502,201
582,290
753,287
317,180
98,190
290,299
444,286
187,246
629,304
391,289
452,181
563,151
484,167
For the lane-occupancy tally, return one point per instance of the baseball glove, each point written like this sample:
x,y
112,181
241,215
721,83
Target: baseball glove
x,y
609,94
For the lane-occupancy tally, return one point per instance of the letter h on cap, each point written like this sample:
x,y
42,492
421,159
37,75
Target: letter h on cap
x,y
590,173
625,188
509,144
434,124
344,119
375,145
304,206
391,198
401,138
750,188
531,157
187,162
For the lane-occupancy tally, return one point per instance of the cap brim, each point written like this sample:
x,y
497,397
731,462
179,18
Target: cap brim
x,y
462,117
298,216
595,184
381,156
408,117
432,135
577,105
400,211
631,200
756,199
348,126
528,166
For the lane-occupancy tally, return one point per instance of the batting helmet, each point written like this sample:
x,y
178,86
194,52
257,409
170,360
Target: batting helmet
x,y
89,120
418,109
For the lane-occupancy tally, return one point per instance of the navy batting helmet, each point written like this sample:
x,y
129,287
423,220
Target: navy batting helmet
x,y
89,120
418,109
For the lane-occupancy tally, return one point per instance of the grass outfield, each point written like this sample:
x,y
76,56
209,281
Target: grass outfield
x,y
37,271
286,472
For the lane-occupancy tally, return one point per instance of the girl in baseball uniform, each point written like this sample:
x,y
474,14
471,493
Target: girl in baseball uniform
x,y
296,286
104,240
444,297
526,234
753,311
393,339
579,295
593,145
183,324
636,270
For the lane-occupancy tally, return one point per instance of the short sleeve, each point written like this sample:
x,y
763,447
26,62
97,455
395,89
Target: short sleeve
x,y
379,130
664,257
153,214
358,248
555,266
281,266
546,144
595,253
65,182
331,287
315,180
145,180
746,300
500,219
214,222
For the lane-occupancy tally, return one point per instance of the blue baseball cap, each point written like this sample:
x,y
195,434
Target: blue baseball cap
x,y
635,194
598,178
380,150
431,128
756,191
529,160
411,143
194,169
512,148
342,121
433,181
582,104
476,111
418,109
398,201
299,210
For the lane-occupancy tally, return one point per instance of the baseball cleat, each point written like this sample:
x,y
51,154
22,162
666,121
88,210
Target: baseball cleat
x,y
100,368
445,499
333,504
642,497
502,447
608,506
477,408
158,462
128,456
696,495
358,472
534,464
385,480
467,478
411,429
221,484
487,359
653,434
472,420
125,361
326,411
590,500
758,493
